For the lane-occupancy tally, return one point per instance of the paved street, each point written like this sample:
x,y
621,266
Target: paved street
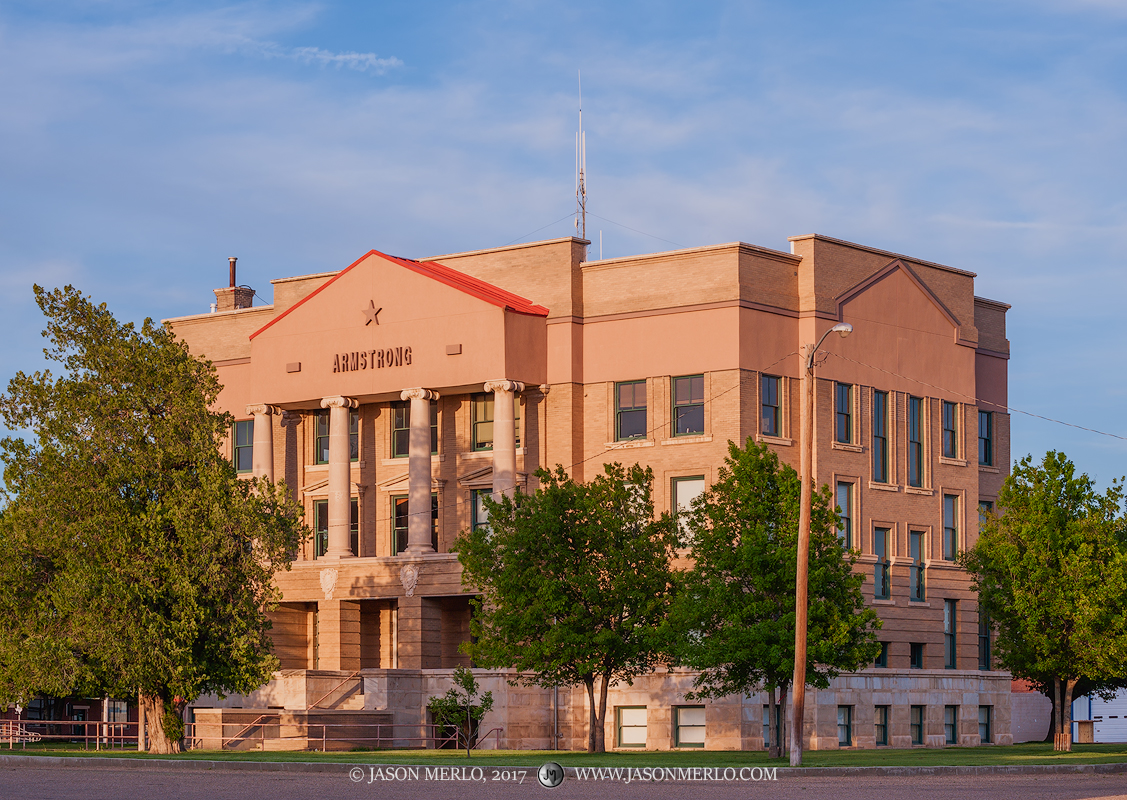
x,y
138,784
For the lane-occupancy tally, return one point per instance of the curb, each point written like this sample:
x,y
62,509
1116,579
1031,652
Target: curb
x,y
192,765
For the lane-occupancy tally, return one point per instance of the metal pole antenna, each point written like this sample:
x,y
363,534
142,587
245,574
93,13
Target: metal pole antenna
x,y
581,171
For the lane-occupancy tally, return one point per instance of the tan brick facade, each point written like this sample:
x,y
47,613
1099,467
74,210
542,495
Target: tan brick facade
x,y
730,314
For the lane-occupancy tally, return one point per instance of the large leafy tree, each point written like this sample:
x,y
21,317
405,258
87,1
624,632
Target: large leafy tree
x,y
1051,573
734,615
132,557
574,583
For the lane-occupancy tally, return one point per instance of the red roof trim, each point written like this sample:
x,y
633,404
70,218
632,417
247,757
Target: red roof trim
x,y
441,273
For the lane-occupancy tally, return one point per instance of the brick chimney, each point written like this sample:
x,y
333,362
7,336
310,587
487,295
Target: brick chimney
x,y
233,296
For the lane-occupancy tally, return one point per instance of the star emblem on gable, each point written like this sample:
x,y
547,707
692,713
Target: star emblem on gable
x,y
372,313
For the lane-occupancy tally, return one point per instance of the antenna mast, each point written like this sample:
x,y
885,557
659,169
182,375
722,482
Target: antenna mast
x,y
581,171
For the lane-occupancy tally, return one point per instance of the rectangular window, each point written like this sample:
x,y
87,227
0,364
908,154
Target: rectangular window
x,y
880,437
916,578
321,437
984,660
845,726
779,723
950,430
479,512
843,405
881,584
244,445
685,491
630,398
951,724
483,420
950,527
915,442
321,527
985,509
882,656
985,724
880,718
401,428
916,724
771,424
688,405
986,438
401,515
689,722
631,726
845,514
950,623
916,655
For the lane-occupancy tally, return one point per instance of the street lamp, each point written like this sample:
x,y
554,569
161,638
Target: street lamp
x,y
801,600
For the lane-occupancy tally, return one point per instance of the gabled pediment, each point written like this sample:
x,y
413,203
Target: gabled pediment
x,y
482,478
400,484
321,488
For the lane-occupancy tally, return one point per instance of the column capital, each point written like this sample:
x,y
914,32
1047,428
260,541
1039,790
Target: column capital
x,y
340,402
544,389
419,394
504,385
291,418
259,409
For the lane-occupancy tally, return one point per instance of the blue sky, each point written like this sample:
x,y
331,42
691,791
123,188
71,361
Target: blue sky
x,y
143,143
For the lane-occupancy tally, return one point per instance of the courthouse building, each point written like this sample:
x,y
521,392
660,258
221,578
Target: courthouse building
x,y
391,395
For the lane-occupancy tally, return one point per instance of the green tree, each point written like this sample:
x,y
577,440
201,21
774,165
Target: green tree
x,y
132,558
574,582
734,614
459,707
1051,574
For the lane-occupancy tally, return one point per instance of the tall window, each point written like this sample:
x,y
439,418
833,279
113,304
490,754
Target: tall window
x,y
880,717
984,660
882,656
483,421
916,577
950,430
986,438
321,436
845,512
985,723
845,726
985,509
688,405
916,655
401,428
843,402
769,406
685,491
881,587
916,724
401,515
780,721
631,726
950,527
321,527
951,724
244,445
950,623
915,442
689,724
630,398
479,511
880,437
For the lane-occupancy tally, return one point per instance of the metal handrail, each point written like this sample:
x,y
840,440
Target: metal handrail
x,y
224,741
481,739
342,683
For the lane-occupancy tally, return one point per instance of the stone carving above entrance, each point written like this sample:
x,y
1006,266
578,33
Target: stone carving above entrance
x,y
328,582
409,577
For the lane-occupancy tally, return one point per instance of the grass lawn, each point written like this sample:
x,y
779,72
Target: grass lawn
x,y
1021,754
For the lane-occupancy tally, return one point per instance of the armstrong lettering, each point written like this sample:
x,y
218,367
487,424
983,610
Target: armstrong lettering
x,y
372,359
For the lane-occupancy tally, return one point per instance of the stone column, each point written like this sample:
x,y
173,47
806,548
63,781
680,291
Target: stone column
x,y
291,420
504,436
419,474
262,459
340,476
